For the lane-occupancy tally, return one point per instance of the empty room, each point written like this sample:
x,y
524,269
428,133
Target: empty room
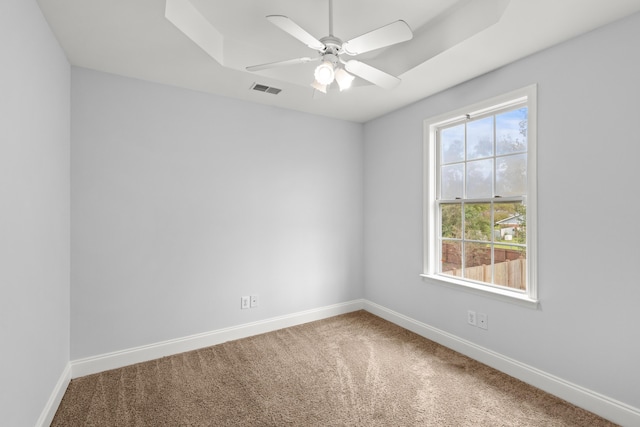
x,y
319,212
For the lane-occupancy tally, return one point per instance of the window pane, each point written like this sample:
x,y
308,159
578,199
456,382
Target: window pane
x,y
480,138
477,258
477,221
510,268
451,181
451,217
480,179
451,258
452,144
511,175
511,131
510,221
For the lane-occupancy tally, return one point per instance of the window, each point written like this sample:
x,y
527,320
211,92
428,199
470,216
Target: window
x,y
480,197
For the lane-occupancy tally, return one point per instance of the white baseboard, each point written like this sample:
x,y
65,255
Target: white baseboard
x,y
49,411
603,406
118,359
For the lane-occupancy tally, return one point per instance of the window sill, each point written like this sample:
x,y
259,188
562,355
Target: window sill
x,y
486,291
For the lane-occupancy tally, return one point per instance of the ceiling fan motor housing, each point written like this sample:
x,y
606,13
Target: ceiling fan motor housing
x,y
333,45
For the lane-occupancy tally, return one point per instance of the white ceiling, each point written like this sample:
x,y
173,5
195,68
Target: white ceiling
x,y
454,41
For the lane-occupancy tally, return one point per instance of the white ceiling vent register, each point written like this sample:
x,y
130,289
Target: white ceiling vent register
x,y
264,88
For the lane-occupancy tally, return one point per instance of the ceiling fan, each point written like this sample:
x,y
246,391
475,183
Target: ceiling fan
x,y
330,50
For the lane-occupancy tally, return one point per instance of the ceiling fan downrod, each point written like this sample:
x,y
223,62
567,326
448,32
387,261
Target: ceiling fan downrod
x,y
331,18
333,45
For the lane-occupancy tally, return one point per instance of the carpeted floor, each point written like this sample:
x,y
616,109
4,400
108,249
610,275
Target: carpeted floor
x,y
350,370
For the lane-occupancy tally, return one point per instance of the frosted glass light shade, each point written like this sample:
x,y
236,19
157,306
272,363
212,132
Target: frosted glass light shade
x,y
319,86
344,79
324,73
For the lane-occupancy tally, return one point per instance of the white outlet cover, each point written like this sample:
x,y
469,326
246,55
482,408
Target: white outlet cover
x,y
482,321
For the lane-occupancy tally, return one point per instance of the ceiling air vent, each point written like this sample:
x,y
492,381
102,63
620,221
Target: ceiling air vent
x,y
267,89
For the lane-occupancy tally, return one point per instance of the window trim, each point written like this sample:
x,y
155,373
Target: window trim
x,y
528,298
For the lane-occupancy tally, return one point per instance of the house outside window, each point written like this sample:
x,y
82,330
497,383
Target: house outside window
x,y
480,198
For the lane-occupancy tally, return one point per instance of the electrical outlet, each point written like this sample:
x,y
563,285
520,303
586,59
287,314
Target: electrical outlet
x,y
482,321
254,301
244,302
471,317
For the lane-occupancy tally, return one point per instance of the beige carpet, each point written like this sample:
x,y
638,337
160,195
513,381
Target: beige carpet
x,y
350,370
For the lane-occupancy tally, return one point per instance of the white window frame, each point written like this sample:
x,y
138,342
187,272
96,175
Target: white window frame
x,y
430,273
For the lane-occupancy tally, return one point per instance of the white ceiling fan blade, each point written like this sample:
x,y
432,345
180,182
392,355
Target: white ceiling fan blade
x,y
287,25
282,63
371,74
393,33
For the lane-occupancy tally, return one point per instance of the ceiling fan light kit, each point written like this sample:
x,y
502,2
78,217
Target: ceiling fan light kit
x,y
330,48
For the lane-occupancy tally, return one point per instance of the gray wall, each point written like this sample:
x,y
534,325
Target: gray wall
x,y
586,330
183,202
34,212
